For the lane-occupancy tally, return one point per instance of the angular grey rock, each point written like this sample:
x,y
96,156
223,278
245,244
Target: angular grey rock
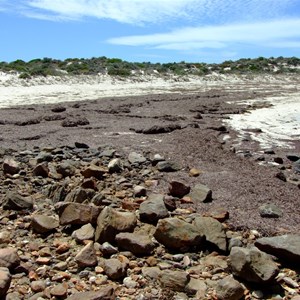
x,y
229,289
136,158
15,201
104,293
66,169
86,232
114,269
178,189
94,171
285,247
174,280
270,210
167,166
153,209
195,286
139,191
110,222
80,195
86,257
115,165
77,214
9,258
213,231
5,280
107,249
177,234
200,193
41,170
43,224
252,265
10,166
296,166
138,244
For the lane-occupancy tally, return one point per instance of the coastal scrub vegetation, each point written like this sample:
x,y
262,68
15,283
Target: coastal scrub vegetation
x,y
118,67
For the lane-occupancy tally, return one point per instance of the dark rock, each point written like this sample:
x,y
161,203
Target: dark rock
x,y
94,171
9,258
178,189
139,191
278,160
87,257
269,151
77,214
270,210
10,166
80,195
281,176
75,122
43,224
213,231
296,166
252,265
58,109
156,129
41,170
114,269
50,118
153,209
81,145
104,293
229,289
15,201
138,244
66,169
44,156
293,157
200,193
285,247
178,234
111,222
5,280
167,166
174,280
28,122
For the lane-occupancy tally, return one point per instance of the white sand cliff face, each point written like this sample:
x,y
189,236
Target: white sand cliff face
x,y
278,123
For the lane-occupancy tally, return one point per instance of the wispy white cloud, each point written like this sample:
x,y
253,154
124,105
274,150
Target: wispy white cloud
x,y
158,11
269,33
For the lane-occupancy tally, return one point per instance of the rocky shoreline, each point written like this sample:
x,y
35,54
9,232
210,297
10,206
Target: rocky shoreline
x,y
147,197
80,222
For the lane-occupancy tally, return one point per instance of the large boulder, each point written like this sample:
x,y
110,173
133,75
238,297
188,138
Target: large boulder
x,y
153,209
77,214
213,231
15,201
285,247
110,222
178,234
43,224
252,265
138,244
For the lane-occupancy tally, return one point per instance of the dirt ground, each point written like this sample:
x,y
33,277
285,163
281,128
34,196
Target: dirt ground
x,y
231,170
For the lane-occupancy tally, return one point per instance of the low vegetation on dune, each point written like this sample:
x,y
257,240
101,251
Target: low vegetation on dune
x,y
116,66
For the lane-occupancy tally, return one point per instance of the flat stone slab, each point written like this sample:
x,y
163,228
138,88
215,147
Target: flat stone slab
x,y
285,247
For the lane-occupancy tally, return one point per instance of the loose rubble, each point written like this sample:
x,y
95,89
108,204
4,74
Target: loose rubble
x,y
82,223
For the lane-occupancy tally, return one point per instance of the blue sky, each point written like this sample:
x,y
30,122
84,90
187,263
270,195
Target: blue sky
x,y
149,30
